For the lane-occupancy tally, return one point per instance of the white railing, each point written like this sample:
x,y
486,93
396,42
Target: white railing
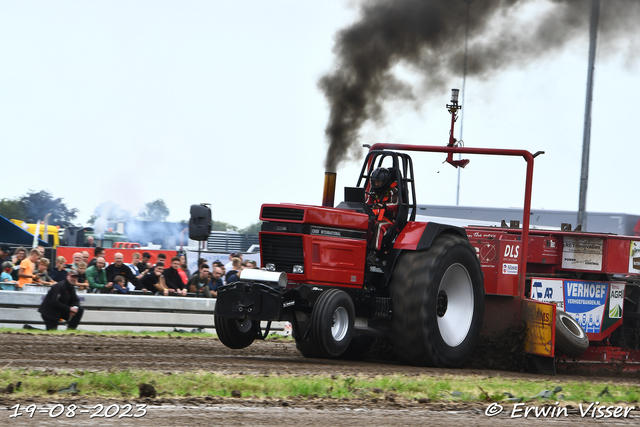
x,y
104,312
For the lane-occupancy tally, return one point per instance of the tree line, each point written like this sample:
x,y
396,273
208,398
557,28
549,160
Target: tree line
x,y
34,205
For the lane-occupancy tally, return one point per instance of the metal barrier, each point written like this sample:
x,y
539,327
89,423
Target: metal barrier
x,y
104,312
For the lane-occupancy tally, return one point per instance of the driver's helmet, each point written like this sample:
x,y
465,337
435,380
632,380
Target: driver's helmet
x,y
380,179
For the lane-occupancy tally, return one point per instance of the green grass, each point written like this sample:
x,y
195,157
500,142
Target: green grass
x,y
201,383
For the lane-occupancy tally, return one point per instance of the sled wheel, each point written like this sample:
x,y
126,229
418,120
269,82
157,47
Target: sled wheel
x,y
236,333
570,337
332,321
438,303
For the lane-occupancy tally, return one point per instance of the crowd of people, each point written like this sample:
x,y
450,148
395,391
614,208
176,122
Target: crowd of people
x,y
172,277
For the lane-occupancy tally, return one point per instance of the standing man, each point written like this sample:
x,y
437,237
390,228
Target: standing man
x,y
26,274
62,302
90,242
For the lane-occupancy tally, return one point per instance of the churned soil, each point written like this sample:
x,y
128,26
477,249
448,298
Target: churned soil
x,y
177,353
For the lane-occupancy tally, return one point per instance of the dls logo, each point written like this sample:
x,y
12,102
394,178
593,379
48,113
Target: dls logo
x,y
511,251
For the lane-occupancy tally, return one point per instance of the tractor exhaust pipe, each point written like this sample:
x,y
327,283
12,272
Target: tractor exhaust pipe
x,y
329,192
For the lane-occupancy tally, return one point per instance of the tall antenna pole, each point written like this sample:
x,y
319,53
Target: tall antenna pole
x,y
586,137
464,84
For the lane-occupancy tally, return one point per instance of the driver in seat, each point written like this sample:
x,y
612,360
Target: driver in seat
x,y
384,204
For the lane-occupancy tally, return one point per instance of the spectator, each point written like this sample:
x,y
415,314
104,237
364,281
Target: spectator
x,y
173,280
83,284
233,275
119,285
41,276
97,253
252,264
134,266
200,262
216,281
199,284
85,256
183,270
143,266
6,281
59,273
62,302
77,257
27,271
97,277
154,281
5,254
119,268
18,256
91,243
229,266
162,258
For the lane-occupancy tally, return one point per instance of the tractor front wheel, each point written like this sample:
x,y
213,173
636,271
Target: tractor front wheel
x,y
332,324
438,303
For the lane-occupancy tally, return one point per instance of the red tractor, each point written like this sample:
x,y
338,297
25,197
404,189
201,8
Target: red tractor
x,y
432,288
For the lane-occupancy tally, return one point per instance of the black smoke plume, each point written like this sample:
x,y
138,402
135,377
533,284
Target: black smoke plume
x,y
428,36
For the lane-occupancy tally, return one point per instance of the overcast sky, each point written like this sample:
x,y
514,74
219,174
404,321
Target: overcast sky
x,y
217,101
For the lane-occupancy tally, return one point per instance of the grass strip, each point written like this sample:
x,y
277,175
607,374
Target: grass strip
x,y
462,388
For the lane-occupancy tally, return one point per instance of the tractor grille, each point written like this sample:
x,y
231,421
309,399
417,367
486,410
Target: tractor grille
x,y
282,251
290,214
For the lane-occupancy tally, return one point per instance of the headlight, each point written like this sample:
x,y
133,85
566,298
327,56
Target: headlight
x,y
298,269
270,267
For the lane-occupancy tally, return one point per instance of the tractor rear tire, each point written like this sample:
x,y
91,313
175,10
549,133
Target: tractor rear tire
x,y
570,337
438,303
236,333
358,347
308,349
332,323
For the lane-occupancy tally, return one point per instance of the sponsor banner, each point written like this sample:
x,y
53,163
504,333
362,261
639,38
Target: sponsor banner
x,y
582,253
540,322
548,290
487,252
585,301
634,257
616,300
509,268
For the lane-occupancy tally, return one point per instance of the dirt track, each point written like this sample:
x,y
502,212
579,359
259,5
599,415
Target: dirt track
x,y
182,354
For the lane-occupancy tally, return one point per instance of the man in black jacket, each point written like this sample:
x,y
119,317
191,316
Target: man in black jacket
x,y
119,268
62,302
173,280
